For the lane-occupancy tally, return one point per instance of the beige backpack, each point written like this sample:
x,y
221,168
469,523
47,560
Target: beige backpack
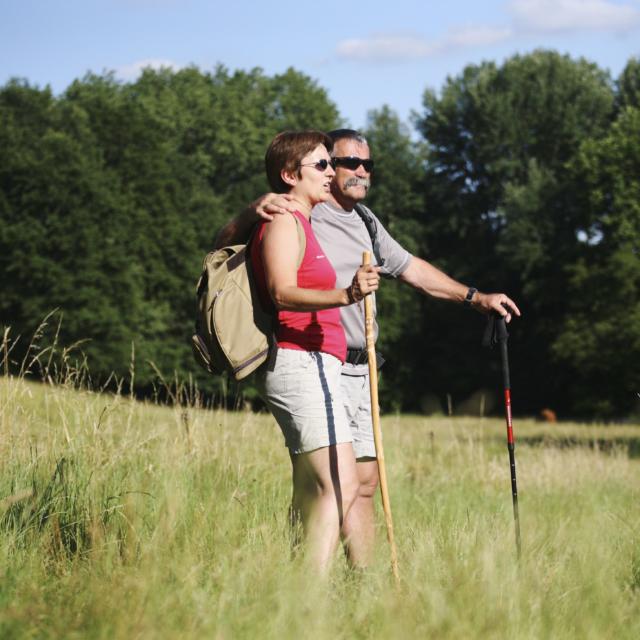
x,y
233,333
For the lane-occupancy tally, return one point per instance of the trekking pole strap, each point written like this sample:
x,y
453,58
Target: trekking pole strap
x,y
495,331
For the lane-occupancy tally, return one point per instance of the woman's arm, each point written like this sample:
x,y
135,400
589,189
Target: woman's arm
x,y
280,256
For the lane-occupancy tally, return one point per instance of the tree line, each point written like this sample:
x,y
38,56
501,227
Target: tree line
x,y
521,177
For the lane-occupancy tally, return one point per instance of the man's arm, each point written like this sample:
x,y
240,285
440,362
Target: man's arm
x,y
430,280
238,229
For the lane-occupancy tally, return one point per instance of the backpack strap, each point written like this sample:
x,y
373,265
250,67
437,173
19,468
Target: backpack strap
x,y
302,240
372,230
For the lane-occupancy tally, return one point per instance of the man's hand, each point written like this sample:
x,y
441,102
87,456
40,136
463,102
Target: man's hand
x,y
498,302
272,204
238,229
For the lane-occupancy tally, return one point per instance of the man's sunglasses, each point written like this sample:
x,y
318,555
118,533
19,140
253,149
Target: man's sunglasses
x,y
320,165
352,163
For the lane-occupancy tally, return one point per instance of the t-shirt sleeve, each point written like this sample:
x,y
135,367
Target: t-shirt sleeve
x,y
396,258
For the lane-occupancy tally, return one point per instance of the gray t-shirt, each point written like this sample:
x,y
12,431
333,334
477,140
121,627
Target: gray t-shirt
x,y
343,237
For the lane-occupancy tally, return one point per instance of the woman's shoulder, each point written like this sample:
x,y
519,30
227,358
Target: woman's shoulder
x,y
282,221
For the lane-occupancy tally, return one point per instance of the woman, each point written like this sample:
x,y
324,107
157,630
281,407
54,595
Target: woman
x,y
301,384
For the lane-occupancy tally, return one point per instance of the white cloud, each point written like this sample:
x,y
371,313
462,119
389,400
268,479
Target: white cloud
x,y
385,47
479,36
527,17
573,15
396,47
132,71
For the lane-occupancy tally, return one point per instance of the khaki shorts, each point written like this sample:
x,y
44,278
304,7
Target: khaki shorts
x,y
302,391
357,404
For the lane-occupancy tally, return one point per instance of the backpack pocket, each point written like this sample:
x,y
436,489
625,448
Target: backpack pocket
x,y
243,344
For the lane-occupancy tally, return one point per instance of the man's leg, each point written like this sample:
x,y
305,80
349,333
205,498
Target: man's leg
x,y
358,529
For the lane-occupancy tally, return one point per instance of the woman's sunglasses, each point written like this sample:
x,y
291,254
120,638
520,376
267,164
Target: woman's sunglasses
x,y
352,163
320,165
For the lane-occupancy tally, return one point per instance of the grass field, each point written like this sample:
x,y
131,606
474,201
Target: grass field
x,y
120,519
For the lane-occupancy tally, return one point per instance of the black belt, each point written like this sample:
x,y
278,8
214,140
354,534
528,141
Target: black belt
x,y
360,356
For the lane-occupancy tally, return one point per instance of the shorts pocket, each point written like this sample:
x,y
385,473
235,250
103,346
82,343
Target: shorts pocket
x,y
289,372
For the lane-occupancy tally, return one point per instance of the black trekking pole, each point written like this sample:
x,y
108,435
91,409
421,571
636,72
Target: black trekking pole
x,y
496,333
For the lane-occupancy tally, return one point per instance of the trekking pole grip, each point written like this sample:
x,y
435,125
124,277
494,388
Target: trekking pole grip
x,y
501,328
368,314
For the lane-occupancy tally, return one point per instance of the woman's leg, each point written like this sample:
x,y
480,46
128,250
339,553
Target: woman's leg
x,y
302,391
325,486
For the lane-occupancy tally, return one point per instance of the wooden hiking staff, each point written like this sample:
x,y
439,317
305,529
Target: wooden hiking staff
x,y
375,417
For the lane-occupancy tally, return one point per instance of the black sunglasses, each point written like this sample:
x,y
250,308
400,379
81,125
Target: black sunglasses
x,y
352,163
320,165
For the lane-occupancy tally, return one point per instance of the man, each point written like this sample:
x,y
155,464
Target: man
x,y
343,236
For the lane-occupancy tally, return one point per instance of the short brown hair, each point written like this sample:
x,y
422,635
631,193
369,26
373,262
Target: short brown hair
x,y
286,151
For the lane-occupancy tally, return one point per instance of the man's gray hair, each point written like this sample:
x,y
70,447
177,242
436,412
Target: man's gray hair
x,y
347,134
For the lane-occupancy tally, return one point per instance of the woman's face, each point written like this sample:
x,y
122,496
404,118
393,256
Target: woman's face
x,y
314,182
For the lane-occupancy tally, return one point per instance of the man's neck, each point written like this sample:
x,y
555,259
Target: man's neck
x,y
343,203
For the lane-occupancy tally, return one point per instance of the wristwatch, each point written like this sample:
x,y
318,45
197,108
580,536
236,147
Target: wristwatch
x,y
469,297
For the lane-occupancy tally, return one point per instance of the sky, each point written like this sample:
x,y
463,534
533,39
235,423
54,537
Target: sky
x,y
364,54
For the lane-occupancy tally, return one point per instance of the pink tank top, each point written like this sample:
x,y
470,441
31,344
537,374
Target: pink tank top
x,y
304,330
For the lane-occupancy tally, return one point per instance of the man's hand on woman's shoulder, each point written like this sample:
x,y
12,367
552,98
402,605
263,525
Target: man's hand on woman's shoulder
x,y
271,204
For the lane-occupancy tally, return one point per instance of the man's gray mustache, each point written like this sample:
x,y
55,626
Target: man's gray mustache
x,y
357,182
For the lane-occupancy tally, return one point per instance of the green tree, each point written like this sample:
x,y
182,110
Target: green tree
x,y
599,338
110,196
501,208
628,85
62,240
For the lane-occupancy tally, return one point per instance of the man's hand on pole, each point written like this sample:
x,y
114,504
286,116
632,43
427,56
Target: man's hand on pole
x,y
498,302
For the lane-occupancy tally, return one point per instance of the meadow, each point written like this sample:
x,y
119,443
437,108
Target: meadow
x,y
126,519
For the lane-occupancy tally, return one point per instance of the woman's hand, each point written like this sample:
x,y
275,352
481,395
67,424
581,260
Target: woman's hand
x,y
365,281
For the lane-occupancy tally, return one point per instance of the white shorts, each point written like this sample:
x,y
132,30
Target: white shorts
x,y
302,390
357,403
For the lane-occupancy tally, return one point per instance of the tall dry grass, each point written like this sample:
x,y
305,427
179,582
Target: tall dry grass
x,y
124,519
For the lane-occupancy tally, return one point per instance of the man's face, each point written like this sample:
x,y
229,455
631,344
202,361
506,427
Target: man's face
x,y
350,185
